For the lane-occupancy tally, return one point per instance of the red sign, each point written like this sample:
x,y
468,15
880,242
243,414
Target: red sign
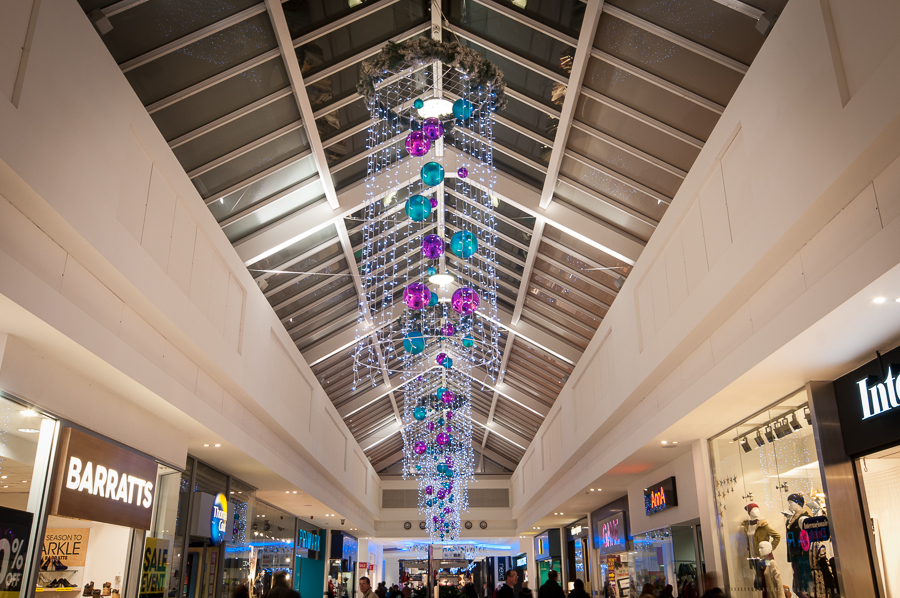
x,y
363,565
371,567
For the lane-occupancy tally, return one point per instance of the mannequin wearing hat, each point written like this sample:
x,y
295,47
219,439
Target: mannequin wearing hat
x,y
758,530
771,573
797,556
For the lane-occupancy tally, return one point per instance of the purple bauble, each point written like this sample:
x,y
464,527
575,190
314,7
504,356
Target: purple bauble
x,y
442,439
449,429
449,415
430,426
417,144
432,246
449,463
416,296
434,202
462,173
441,494
439,360
435,519
464,301
448,329
429,490
432,128
420,447
448,397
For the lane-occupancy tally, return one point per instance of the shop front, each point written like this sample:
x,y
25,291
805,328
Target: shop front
x,y
772,506
342,565
611,544
309,559
578,555
547,555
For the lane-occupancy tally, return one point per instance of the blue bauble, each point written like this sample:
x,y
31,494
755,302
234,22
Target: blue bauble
x,y
414,342
462,108
432,175
441,422
418,208
464,244
447,363
431,271
441,468
448,473
419,413
418,104
451,498
440,391
434,299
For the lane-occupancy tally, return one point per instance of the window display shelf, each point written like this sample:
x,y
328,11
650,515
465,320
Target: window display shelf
x,y
57,589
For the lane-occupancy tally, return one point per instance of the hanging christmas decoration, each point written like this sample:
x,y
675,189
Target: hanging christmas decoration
x,y
446,330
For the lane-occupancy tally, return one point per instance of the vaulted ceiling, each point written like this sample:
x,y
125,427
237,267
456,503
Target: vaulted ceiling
x,y
609,105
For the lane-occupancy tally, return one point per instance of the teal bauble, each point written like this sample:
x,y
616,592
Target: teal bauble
x,y
451,498
418,208
441,422
431,271
434,299
440,391
414,342
468,342
429,502
432,175
464,244
418,468
462,108
418,104
447,363
448,473
419,413
441,468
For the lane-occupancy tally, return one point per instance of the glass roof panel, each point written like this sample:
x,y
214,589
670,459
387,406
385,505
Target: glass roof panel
x,y
564,15
154,23
653,101
221,99
361,34
521,144
635,133
343,118
593,206
529,117
564,282
707,22
238,133
623,162
665,59
294,250
519,38
308,15
234,171
586,259
607,185
265,215
266,187
203,59
562,313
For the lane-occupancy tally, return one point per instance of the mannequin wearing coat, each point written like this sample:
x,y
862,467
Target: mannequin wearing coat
x,y
758,530
774,588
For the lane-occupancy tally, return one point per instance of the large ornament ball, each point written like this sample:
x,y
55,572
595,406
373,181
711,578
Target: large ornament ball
x,y
434,299
418,104
418,468
432,246
439,360
434,202
432,128
418,208
416,295
462,108
447,363
468,342
464,243
441,468
430,426
419,413
463,172
432,174
448,329
417,144
448,396
431,271
465,301
441,421
440,391
419,448
429,490
414,342
449,473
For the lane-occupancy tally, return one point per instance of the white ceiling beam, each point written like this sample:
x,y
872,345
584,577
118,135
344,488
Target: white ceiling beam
x,y
507,351
286,46
388,461
743,8
526,271
248,147
333,26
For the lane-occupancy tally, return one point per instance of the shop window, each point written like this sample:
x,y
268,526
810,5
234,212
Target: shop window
x,y
881,481
241,552
164,542
667,556
768,488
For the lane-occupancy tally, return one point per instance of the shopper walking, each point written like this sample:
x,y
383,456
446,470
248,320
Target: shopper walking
x,y
668,592
381,590
365,588
280,587
578,590
407,591
551,589
647,592
525,591
506,590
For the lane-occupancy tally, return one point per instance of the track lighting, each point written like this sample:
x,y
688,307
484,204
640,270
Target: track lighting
x,y
746,445
795,423
770,436
759,439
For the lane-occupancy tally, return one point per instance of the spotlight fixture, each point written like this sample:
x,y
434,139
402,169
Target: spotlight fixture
x,y
786,427
770,436
759,439
778,426
795,423
746,445
807,415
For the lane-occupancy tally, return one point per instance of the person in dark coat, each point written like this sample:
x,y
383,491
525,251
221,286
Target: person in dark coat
x,y
551,589
506,590
525,591
280,587
578,590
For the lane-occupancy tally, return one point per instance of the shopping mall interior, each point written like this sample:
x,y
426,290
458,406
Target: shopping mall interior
x,y
301,292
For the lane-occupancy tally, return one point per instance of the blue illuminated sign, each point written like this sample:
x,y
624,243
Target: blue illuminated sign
x,y
219,520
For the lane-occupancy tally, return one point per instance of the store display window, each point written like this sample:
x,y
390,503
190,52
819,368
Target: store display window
x,y
164,542
26,443
241,553
772,509
664,557
342,565
272,541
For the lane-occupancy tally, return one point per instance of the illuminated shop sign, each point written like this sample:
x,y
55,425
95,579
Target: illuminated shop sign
x,y
218,523
522,561
308,540
868,404
611,536
99,481
660,497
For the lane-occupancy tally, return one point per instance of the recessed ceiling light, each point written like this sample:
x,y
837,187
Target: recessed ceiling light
x,y
665,442
879,300
674,442
218,445
29,430
562,513
295,492
205,445
897,299
28,412
2,477
592,489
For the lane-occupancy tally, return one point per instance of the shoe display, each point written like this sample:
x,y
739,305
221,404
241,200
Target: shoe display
x,y
115,593
45,563
58,565
106,589
96,593
53,584
65,583
88,589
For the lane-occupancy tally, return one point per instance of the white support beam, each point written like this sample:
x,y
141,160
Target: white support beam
x,y
507,351
388,461
743,8
286,46
579,66
498,458
536,235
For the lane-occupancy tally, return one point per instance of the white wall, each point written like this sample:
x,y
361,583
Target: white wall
x,y
116,269
686,487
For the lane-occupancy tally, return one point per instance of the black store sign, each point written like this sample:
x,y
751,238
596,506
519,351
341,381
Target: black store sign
x,y
868,401
660,497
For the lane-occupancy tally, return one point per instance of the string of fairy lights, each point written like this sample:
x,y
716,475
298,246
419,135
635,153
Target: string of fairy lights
x,y
428,315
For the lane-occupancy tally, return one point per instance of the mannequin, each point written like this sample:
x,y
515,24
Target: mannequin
x,y
771,574
797,556
758,530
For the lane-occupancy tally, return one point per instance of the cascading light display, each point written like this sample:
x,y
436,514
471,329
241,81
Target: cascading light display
x,y
428,317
